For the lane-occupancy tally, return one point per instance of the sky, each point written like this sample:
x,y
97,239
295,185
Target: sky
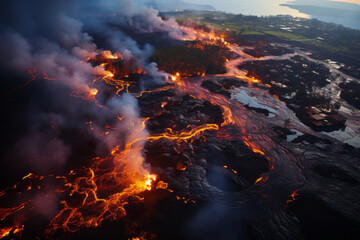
x,y
349,1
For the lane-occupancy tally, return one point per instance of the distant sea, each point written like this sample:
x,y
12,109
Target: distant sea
x,y
346,14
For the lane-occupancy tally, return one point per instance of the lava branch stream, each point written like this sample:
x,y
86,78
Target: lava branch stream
x,y
103,180
285,173
255,131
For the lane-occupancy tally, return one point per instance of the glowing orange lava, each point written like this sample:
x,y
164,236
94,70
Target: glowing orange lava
x,y
109,55
293,196
4,232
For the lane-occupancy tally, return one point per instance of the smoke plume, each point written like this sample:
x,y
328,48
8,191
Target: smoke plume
x,y
52,40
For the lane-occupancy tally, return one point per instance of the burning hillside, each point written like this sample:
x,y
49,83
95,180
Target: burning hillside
x,y
110,138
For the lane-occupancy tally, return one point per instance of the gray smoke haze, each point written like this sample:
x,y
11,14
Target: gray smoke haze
x,y
41,147
53,38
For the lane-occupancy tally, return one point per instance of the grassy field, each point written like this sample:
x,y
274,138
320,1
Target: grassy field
x,y
286,35
239,29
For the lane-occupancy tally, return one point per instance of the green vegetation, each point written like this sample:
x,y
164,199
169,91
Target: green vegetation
x,y
250,33
286,35
238,29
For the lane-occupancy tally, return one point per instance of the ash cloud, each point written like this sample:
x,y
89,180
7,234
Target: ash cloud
x,y
53,38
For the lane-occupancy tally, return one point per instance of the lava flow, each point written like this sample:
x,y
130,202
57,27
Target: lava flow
x,y
99,192
107,186
240,123
103,190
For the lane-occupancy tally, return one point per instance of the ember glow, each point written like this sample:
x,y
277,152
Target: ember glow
x,y
212,36
109,55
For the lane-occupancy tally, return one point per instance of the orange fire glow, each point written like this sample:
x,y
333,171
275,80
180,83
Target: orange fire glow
x,y
5,212
109,55
212,37
4,232
185,135
292,196
162,185
156,90
46,77
254,148
163,104
261,180
89,94
93,92
175,77
254,80
32,73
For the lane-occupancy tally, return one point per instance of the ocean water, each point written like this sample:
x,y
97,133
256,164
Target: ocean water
x,y
253,7
346,14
